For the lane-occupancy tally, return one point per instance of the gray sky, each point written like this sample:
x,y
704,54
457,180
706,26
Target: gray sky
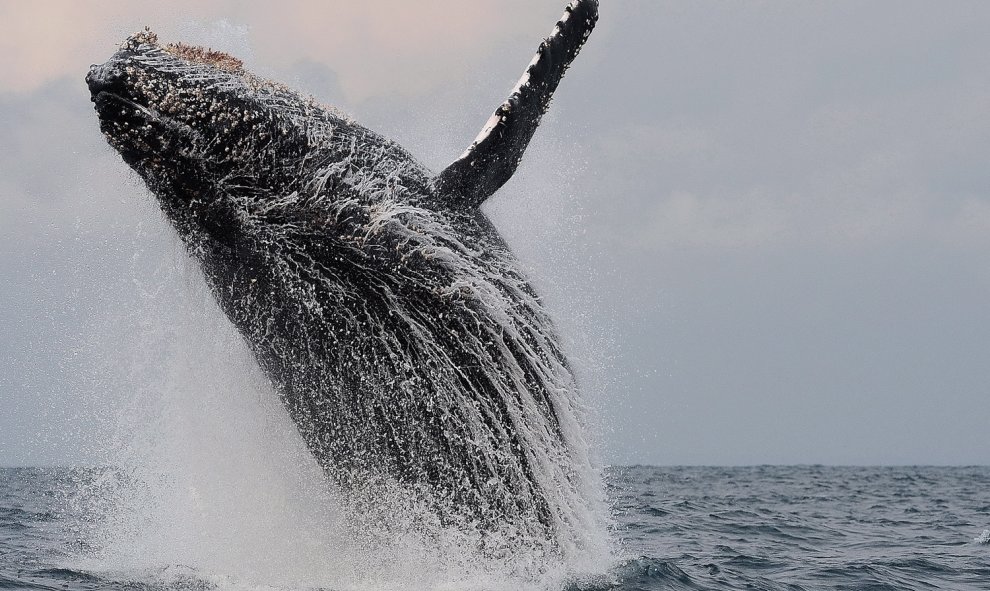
x,y
764,226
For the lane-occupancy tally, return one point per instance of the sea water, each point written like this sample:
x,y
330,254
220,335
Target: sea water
x,y
767,527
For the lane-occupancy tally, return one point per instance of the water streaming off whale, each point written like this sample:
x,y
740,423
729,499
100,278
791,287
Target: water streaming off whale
x,y
414,358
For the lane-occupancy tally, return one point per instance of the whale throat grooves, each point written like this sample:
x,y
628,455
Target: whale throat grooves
x,y
415,358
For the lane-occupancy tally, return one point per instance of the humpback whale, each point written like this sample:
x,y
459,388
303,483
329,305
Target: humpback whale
x,y
393,321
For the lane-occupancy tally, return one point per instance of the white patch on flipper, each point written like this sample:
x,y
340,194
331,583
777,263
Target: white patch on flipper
x,y
486,131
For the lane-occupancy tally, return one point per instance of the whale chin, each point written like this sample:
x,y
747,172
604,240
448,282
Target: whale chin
x,y
138,132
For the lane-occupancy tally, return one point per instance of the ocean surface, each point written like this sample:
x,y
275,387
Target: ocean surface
x,y
766,527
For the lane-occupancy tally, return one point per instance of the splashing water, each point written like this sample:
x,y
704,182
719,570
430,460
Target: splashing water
x,y
212,482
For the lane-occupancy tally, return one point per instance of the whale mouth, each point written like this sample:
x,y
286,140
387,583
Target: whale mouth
x,y
110,92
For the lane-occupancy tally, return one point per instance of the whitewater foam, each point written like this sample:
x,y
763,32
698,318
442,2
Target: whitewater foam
x,y
211,481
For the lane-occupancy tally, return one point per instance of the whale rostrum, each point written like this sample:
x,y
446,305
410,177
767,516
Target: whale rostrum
x,y
393,321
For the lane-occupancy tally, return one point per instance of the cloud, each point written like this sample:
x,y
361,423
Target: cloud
x,y
56,171
375,47
802,127
685,220
740,190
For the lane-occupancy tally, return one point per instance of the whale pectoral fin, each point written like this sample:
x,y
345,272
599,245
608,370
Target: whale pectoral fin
x,y
496,152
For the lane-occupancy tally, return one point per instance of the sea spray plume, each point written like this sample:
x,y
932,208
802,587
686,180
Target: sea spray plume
x,y
416,360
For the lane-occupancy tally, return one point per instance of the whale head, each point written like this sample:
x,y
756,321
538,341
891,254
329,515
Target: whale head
x,y
223,150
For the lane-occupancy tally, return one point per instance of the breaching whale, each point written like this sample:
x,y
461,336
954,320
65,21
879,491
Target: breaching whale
x,y
392,320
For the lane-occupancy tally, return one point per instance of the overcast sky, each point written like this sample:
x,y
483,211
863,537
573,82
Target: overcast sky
x,y
764,227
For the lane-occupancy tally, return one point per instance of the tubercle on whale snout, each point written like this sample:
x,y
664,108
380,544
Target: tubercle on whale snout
x,y
192,53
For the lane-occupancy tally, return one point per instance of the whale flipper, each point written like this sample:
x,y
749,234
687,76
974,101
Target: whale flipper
x,y
493,157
